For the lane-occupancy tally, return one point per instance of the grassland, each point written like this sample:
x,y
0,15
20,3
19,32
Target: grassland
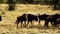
x,y
8,26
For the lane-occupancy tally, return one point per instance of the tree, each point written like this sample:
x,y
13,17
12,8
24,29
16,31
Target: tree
x,y
27,1
11,4
55,3
0,1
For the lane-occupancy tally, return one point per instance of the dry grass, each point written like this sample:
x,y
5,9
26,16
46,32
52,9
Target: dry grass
x,y
8,26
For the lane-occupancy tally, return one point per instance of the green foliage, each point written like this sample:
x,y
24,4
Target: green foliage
x,y
48,1
15,1
4,1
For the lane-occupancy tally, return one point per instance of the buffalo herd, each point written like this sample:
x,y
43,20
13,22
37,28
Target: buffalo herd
x,y
25,19
53,19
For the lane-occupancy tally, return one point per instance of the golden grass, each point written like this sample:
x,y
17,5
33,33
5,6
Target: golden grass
x,y
8,26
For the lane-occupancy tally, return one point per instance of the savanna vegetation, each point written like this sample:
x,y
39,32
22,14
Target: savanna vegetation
x,y
11,9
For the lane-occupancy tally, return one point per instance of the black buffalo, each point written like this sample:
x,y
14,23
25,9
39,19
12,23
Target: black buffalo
x,y
57,20
42,17
48,19
31,17
20,19
52,19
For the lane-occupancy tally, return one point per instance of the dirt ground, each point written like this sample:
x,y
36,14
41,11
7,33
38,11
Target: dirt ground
x,y
8,26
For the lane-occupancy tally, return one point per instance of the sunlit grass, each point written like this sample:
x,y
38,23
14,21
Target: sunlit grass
x,y
8,26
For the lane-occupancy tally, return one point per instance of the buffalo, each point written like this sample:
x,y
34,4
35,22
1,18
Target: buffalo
x,y
31,17
48,19
42,17
52,19
57,20
20,19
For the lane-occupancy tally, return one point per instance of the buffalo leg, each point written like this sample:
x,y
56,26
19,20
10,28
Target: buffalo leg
x,y
46,24
21,23
27,23
32,23
17,23
39,23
